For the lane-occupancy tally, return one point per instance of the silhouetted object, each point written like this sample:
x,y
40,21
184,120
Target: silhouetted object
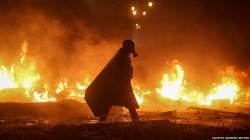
x,y
113,86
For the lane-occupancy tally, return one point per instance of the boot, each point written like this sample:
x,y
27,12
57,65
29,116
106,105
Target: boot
x,y
102,118
133,114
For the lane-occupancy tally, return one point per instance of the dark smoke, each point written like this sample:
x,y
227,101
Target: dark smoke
x,y
68,38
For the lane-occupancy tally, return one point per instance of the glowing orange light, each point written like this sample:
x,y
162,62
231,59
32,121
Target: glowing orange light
x,y
174,87
24,50
133,8
134,12
139,93
144,13
150,4
138,26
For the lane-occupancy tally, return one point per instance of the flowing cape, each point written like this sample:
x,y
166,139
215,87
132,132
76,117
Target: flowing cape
x,y
112,86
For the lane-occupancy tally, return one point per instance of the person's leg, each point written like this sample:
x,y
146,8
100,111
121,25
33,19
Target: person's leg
x,y
104,117
133,114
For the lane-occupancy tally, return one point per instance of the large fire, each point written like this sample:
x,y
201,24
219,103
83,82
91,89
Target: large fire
x,y
24,75
173,85
139,94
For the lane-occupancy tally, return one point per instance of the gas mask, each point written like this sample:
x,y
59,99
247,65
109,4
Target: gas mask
x,y
135,54
129,46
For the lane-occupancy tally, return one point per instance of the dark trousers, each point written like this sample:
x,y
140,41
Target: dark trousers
x,y
133,114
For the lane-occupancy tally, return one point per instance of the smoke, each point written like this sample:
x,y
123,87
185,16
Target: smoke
x,y
204,36
69,39
60,42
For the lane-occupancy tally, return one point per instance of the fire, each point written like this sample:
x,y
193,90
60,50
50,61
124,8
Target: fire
x,y
75,91
22,74
172,84
80,89
43,97
139,94
174,87
7,78
228,89
62,85
24,50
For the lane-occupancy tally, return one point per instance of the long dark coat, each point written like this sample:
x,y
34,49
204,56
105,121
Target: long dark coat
x,y
112,86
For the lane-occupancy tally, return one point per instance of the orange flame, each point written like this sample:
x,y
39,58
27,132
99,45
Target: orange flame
x,y
24,50
139,93
7,78
228,89
174,87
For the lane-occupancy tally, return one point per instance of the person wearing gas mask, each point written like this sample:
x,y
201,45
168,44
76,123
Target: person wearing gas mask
x,y
112,87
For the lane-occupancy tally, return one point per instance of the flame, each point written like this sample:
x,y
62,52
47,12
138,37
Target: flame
x,y
132,8
80,90
144,13
139,94
23,53
22,74
174,87
43,97
76,91
7,78
62,86
172,84
228,89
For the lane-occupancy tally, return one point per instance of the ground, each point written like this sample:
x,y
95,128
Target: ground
x,y
159,129
32,121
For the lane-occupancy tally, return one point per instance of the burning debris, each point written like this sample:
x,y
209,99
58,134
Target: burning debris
x,y
24,75
50,54
174,86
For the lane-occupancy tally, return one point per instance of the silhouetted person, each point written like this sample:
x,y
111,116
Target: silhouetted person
x,y
112,87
